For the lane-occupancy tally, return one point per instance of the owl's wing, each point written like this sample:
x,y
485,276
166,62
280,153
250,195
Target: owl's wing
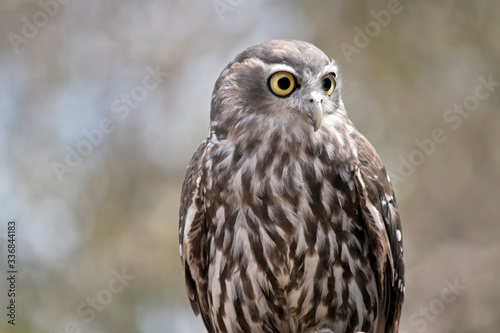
x,y
193,236
381,215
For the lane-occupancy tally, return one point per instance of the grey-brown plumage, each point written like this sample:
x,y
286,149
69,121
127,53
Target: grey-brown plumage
x,y
288,220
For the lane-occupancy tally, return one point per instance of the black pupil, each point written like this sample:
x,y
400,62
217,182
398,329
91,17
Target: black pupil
x,y
327,84
284,83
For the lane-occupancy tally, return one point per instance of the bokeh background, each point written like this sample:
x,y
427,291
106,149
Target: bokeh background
x,y
69,68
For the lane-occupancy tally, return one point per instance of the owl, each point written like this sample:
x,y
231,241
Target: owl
x,y
288,220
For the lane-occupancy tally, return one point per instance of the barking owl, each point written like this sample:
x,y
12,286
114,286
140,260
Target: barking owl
x,y
288,220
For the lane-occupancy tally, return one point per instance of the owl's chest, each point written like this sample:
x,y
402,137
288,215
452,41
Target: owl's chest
x,y
290,232
281,211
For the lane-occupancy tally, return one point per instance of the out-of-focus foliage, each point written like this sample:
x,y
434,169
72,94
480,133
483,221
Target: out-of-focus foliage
x,y
76,76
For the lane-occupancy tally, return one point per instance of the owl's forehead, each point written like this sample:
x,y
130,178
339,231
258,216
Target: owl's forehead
x,y
286,53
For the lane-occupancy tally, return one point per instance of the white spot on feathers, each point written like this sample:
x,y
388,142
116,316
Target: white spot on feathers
x,y
188,221
375,213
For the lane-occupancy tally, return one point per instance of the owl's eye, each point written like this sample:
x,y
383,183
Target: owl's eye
x,y
328,83
282,83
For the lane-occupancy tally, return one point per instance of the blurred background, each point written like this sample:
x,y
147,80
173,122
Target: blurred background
x,y
102,104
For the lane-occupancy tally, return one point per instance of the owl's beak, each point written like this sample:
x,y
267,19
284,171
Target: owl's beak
x,y
316,115
315,112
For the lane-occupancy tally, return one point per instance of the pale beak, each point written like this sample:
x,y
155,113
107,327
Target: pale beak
x,y
315,114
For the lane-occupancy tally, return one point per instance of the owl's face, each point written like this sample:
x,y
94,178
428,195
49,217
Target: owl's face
x,y
289,84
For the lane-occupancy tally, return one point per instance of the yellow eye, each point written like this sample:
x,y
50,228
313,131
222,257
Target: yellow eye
x,y
282,83
328,83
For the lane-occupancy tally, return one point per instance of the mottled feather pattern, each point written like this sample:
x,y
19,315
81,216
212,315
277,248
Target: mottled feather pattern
x,y
284,229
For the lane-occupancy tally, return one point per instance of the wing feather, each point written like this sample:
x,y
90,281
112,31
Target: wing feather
x,y
193,236
381,215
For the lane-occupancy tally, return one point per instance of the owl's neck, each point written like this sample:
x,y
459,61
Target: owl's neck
x,y
264,137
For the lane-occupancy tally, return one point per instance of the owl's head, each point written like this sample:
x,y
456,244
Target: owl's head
x,y
277,84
